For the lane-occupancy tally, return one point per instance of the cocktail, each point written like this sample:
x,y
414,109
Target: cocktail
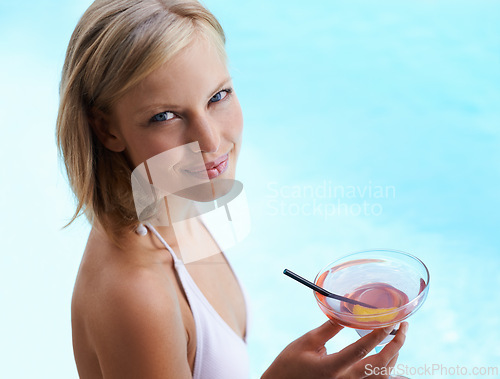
x,y
394,283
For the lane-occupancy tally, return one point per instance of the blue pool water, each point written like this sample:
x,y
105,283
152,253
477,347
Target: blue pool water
x,y
367,124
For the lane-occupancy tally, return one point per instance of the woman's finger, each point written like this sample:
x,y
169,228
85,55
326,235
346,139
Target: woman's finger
x,y
392,348
359,349
392,363
322,334
380,362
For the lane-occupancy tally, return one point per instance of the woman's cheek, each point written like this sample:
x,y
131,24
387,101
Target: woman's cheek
x,y
236,121
157,143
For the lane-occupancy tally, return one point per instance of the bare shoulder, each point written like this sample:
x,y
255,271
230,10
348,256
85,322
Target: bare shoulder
x,y
126,311
140,328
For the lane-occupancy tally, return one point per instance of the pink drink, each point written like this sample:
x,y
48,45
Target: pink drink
x,y
380,295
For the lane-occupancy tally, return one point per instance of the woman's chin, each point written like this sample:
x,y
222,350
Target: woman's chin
x,y
209,191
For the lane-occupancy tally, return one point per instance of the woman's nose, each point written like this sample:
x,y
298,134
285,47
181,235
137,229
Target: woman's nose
x,y
206,132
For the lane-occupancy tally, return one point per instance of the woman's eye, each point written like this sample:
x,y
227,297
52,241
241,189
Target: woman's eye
x,y
163,116
220,95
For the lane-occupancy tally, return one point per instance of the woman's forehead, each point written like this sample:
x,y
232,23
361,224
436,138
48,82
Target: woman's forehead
x,y
193,74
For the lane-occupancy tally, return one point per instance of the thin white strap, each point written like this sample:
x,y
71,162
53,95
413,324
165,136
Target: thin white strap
x,y
155,232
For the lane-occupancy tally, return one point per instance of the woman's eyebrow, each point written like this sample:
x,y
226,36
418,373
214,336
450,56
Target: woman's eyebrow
x,y
151,107
220,86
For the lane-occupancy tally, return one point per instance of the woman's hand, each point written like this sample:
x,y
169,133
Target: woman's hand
x,y
306,357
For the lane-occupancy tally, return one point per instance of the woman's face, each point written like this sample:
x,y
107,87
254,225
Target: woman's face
x,y
186,107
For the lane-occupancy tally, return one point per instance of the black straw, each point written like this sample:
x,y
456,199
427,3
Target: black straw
x,y
324,292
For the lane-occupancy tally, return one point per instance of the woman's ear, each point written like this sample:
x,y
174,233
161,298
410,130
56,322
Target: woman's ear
x,y
106,131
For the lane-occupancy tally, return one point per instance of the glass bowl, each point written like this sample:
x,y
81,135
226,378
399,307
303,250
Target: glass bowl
x,y
395,282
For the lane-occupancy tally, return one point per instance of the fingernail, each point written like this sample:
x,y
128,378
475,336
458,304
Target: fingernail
x,y
388,329
404,327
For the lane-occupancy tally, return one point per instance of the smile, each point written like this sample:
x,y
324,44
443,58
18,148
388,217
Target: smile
x,y
212,169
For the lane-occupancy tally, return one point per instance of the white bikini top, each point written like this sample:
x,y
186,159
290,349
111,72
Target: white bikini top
x,y
220,352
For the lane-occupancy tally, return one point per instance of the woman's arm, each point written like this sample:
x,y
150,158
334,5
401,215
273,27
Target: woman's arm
x,y
306,357
139,333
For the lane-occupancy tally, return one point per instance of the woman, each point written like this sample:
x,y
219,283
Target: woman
x,y
142,78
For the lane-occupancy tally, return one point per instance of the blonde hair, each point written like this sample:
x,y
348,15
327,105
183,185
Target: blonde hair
x,y
115,45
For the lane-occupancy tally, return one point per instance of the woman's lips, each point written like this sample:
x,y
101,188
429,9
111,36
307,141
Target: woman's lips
x,y
217,170
212,169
